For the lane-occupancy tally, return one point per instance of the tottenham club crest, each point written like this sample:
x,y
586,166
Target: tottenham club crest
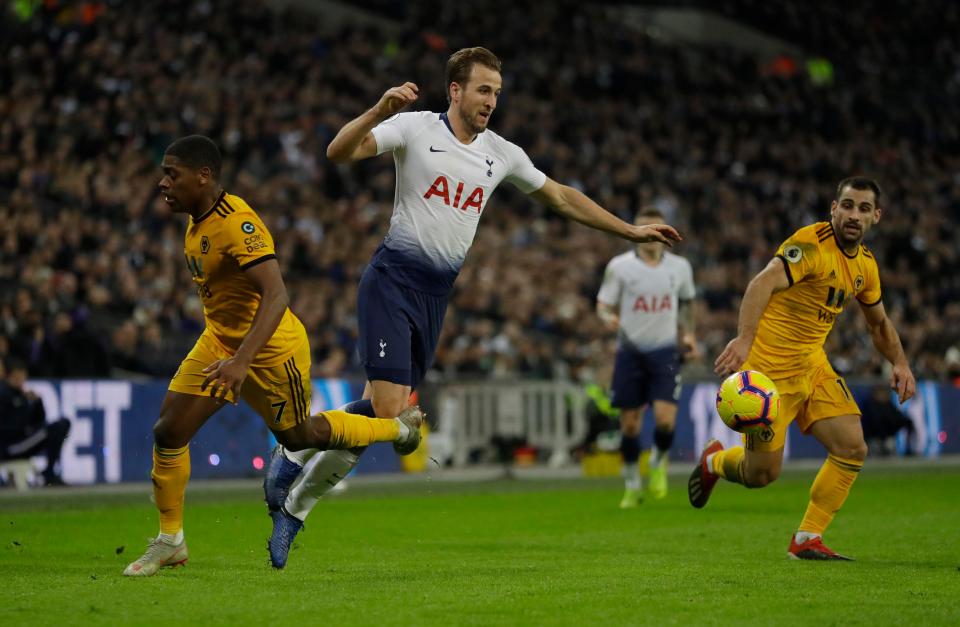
x,y
793,253
489,166
248,228
858,283
383,348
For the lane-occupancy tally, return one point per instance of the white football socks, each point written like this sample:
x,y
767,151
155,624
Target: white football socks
x,y
803,536
321,474
656,455
299,458
631,476
404,430
710,463
171,539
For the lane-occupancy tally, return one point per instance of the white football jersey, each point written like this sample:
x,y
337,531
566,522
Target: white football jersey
x,y
647,297
442,189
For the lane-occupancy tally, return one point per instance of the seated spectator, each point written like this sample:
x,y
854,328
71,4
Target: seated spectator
x,y
24,431
125,353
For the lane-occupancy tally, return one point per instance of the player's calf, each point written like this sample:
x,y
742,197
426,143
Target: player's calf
x,y
337,429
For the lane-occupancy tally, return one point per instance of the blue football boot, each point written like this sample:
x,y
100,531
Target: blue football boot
x,y
281,473
285,529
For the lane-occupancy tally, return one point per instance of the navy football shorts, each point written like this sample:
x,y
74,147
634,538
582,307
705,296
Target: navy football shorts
x,y
642,377
399,328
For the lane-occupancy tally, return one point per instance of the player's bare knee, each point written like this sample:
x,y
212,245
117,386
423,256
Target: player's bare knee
x,y
759,480
665,425
164,434
760,477
389,408
856,450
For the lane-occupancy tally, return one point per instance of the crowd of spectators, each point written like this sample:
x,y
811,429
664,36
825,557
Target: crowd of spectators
x,y
735,151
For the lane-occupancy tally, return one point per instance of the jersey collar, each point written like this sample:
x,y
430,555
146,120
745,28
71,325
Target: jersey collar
x,y
647,263
210,210
843,251
446,120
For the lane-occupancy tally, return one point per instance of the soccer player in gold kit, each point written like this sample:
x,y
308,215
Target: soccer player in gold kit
x,y
786,314
253,346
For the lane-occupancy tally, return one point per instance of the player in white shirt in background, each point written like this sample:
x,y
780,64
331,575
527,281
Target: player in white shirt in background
x,y
447,166
647,298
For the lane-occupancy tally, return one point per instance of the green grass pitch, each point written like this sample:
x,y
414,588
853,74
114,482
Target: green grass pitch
x,y
496,553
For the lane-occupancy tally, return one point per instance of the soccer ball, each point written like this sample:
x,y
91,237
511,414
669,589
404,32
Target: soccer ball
x,y
748,401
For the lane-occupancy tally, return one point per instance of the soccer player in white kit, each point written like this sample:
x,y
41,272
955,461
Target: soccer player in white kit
x,y
646,296
447,166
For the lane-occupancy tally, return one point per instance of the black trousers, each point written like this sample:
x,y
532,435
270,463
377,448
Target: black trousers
x,y
47,440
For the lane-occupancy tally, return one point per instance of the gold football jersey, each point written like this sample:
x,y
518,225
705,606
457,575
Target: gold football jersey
x,y
219,246
823,279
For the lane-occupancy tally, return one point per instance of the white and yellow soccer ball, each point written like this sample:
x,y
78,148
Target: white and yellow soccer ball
x,y
748,401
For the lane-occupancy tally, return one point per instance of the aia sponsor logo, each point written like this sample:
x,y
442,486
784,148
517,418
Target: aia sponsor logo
x,y
442,189
653,303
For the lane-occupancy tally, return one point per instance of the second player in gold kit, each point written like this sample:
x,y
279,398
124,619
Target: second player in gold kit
x,y
786,314
822,278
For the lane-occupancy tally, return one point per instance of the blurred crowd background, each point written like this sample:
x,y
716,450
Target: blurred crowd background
x,y
737,149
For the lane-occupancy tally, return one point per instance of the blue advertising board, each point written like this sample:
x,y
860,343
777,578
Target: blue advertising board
x,y
111,428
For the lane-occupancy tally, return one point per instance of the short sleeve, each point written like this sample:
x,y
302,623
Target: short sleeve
x,y
245,238
522,173
391,134
801,255
610,288
871,293
687,290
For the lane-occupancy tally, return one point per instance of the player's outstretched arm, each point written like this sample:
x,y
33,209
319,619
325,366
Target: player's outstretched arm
x,y
769,281
575,205
355,141
887,341
227,374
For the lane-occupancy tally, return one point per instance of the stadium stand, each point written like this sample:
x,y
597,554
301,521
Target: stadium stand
x,y
736,149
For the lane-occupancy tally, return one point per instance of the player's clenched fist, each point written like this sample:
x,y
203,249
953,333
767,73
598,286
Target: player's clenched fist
x,y
396,98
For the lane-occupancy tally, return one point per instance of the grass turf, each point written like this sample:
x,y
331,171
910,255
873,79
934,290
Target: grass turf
x,y
503,552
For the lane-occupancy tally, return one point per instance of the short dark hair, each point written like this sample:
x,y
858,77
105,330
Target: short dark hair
x,y
650,212
862,183
461,63
197,151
